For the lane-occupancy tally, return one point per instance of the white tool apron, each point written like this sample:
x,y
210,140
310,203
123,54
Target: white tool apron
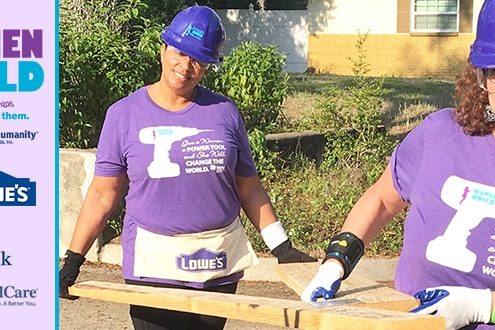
x,y
196,257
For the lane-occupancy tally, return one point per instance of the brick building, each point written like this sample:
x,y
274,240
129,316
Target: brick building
x,y
411,38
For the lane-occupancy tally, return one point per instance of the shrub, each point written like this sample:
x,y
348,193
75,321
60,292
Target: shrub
x,y
356,136
264,158
351,118
252,76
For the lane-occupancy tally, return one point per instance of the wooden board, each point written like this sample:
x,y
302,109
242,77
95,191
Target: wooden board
x,y
356,290
288,313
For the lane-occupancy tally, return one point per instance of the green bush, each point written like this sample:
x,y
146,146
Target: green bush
x,y
356,136
108,48
264,158
252,76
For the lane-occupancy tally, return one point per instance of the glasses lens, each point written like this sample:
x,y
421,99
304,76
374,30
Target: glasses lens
x,y
490,73
181,56
481,77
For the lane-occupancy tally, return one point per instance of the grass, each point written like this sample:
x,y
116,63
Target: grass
x,y
406,100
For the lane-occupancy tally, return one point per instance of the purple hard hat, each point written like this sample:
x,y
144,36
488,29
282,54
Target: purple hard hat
x,y
483,49
198,32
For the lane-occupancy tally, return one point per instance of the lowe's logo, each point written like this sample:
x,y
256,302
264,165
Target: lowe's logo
x,y
202,260
194,32
16,191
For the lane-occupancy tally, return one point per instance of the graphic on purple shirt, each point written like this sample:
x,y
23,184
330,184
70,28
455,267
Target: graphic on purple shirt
x,y
464,195
447,178
182,166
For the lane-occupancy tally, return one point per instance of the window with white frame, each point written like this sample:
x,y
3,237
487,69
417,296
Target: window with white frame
x,y
435,16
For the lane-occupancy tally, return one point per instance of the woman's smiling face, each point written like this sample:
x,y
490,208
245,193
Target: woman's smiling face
x,y
180,72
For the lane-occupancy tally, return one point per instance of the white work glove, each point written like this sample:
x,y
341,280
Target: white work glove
x,y
325,283
276,239
459,305
274,234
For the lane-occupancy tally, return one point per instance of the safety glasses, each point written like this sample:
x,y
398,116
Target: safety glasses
x,y
483,75
489,73
180,56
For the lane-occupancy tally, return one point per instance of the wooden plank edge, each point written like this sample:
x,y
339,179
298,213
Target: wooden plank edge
x,y
288,313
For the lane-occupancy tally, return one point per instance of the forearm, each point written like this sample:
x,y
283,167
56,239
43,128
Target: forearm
x,y
95,211
90,223
258,208
255,202
367,218
376,207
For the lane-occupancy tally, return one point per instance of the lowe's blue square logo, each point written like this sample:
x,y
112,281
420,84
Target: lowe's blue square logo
x,y
16,191
194,32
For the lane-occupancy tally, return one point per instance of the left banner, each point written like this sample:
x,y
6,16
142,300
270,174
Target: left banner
x,y
28,164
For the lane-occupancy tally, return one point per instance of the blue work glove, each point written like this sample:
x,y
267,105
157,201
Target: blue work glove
x,y
459,305
325,283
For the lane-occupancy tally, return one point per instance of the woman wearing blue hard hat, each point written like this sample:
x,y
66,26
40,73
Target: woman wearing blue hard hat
x,y
184,155
442,170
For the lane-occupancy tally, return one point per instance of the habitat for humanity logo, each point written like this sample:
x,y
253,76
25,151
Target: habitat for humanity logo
x,y
16,191
10,137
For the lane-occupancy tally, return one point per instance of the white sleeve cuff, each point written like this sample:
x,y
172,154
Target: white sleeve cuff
x,y
274,234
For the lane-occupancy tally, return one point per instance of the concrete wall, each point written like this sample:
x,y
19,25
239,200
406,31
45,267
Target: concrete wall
x,y
75,174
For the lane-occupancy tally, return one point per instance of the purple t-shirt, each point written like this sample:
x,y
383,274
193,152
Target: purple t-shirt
x,y
448,178
181,165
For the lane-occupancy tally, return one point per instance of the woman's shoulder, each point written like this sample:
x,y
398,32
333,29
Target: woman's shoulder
x,y
138,96
128,103
440,119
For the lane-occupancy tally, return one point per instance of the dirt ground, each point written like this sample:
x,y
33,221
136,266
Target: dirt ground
x,y
89,314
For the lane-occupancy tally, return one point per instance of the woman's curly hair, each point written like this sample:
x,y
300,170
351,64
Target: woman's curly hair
x,y
471,101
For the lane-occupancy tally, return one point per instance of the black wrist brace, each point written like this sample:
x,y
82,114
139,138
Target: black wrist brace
x,y
346,248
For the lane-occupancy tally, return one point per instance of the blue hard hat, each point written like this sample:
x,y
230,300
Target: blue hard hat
x,y
197,31
482,53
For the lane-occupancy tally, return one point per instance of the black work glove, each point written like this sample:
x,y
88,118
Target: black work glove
x,y
285,254
69,272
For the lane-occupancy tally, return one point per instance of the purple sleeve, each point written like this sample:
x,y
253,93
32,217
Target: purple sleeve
x,y
110,160
245,165
406,162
